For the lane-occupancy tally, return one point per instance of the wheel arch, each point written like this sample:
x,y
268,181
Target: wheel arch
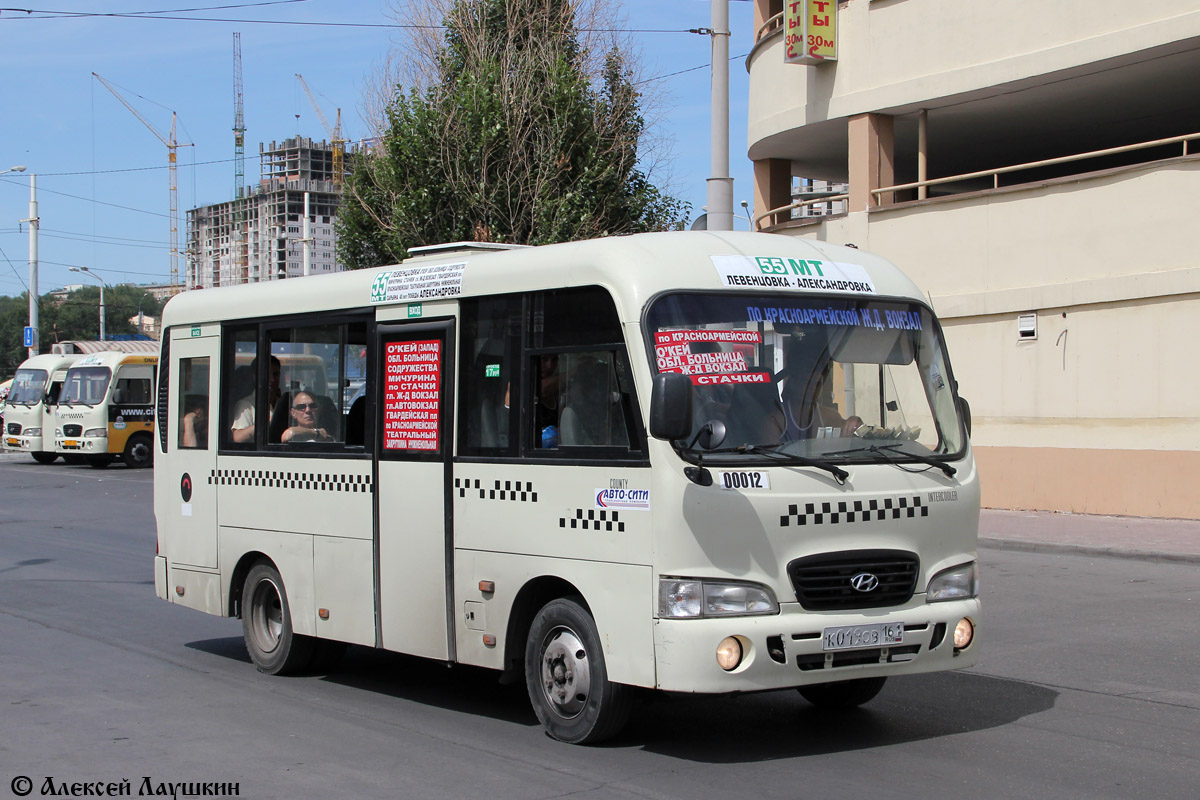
x,y
536,593
238,579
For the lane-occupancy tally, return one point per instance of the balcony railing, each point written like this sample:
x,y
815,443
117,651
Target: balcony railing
x,y
770,26
995,174
774,212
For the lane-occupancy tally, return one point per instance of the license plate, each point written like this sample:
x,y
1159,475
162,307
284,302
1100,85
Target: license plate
x,y
849,637
70,443
14,442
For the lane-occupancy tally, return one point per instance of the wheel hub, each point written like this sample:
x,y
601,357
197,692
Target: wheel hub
x,y
566,677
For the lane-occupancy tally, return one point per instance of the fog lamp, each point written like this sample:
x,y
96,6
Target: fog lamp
x,y
964,632
729,653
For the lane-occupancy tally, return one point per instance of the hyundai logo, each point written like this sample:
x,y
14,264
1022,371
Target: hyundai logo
x,y
864,582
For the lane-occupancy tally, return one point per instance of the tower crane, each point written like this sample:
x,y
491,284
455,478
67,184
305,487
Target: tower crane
x,y
172,144
239,122
334,133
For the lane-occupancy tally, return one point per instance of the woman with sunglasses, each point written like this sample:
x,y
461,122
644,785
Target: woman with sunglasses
x,y
304,421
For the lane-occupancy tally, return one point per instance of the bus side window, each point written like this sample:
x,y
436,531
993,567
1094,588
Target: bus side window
x,y
489,375
193,403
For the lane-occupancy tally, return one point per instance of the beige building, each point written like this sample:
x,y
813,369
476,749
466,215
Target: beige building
x,y
1035,166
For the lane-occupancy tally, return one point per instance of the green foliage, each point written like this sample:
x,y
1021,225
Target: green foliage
x,y
512,142
76,317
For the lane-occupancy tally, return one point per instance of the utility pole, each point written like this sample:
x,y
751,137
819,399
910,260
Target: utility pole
x,y
35,345
720,184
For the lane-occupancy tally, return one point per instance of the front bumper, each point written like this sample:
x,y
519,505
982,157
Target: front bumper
x,y
27,444
784,650
89,445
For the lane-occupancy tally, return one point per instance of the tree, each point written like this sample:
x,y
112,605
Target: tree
x,y
75,317
519,135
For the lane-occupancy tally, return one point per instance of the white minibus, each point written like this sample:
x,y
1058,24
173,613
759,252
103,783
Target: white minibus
x,y
688,462
106,410
29,414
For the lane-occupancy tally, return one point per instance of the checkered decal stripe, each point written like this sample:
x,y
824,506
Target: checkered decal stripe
x,y
517,491
276,479
858,511
593,519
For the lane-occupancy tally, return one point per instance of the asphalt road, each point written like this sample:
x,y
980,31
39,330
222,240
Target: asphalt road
x,y
1089,687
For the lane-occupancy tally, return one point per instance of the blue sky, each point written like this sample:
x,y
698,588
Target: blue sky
x,y
102,179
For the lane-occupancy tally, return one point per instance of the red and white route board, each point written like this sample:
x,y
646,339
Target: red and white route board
x,y
412,395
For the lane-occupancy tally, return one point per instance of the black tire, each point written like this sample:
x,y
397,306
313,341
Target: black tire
x,y
44,457
567,679
267,624
843,694
99,462
139,451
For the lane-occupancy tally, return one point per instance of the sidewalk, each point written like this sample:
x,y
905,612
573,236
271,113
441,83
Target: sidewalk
x,y
1162,540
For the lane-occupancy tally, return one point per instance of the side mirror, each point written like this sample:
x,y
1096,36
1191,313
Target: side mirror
x,y
964,408
671,406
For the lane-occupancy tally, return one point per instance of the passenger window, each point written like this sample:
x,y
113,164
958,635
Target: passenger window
x,y
193,403
489,370
313,395
240,388
549,370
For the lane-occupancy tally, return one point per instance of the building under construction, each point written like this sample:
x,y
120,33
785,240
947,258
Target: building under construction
x,y
258,237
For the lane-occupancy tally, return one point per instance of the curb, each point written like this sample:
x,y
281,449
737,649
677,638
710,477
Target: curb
x,y
1155,556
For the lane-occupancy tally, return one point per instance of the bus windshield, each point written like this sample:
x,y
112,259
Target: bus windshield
x,y
85,386
28,387
840,379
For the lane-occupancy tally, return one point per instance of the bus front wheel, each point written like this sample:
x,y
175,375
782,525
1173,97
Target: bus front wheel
x,y
267,624
139,451
45,458
567,678
843,694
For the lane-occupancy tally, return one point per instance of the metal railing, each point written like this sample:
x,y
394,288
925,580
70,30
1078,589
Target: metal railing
x,y
995,174
758,226
770,26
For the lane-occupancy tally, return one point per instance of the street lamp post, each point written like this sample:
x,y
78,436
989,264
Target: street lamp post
x,y
33,258
86,271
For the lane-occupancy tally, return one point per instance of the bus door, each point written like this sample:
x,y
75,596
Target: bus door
x,y
191,438
413,369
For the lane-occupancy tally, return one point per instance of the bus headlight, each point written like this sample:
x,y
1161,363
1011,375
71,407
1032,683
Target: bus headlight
x,y
93,432
32,432
683,598
956,583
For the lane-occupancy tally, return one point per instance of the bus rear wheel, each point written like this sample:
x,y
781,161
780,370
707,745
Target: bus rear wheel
x,y
267,624
842,694
139,451
45,458
567,678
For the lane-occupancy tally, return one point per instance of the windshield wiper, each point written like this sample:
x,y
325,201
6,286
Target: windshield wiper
x,y
893,449
771,452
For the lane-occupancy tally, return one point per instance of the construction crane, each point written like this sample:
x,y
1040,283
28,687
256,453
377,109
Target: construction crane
x,y
172,144
334,133
239,122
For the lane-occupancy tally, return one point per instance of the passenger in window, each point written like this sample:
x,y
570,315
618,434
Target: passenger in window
x,y
193,427
549,395
304,427
244,411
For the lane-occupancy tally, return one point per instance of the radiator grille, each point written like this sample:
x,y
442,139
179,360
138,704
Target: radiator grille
x,y
825,582
14,428
72,430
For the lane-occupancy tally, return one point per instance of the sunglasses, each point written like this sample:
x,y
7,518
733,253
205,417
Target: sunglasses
x,y
305,407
